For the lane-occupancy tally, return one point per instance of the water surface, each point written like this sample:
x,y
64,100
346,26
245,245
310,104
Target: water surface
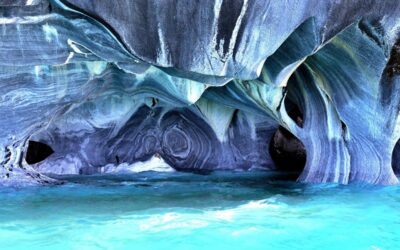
x,y
187,211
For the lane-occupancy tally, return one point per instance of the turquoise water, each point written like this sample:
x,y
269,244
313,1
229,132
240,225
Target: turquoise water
x,y
186,211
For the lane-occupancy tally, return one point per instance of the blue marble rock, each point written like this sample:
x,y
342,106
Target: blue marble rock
x,y
94,87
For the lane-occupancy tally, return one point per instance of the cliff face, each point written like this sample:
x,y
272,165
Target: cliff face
x,y
204,85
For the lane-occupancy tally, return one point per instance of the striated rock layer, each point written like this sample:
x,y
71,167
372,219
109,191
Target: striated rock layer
x,y
92,87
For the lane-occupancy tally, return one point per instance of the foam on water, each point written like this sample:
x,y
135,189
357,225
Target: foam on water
x,y
155,163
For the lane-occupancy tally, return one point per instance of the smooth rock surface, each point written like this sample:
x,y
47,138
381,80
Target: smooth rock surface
x,y
204,85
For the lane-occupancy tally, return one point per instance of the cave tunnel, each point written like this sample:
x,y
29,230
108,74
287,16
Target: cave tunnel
x,y
287,152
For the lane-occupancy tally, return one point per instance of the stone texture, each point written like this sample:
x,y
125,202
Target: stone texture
x,y
204,85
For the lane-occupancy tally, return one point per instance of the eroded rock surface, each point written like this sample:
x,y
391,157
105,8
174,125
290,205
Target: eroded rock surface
x,y
200,85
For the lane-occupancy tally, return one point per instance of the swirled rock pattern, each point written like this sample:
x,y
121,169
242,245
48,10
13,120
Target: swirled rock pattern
x,y
204,85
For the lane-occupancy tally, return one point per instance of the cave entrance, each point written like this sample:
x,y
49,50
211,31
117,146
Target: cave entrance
x,y
396,159
37,152
287,152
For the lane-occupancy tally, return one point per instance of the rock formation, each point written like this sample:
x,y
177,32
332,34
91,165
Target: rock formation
x,y
202,85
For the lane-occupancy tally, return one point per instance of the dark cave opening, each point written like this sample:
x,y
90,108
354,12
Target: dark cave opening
x,y
294,112
396,159
37,152
287,151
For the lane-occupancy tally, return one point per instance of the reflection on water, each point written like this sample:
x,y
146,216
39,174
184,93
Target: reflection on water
x,y
188,211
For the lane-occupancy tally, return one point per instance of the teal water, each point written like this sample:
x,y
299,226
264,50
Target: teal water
x,y
186,211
